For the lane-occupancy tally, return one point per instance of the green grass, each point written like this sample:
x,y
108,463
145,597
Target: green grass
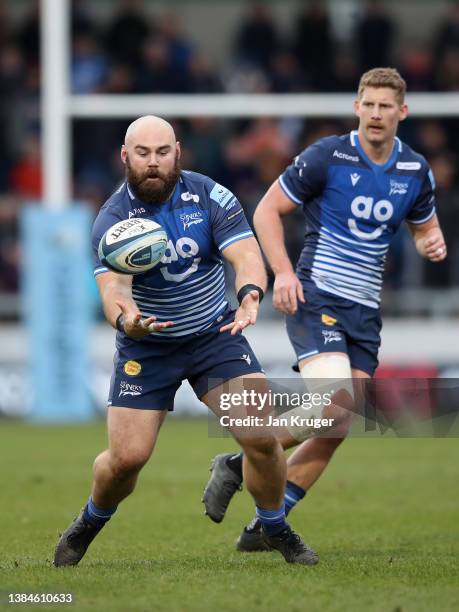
x,y
384,519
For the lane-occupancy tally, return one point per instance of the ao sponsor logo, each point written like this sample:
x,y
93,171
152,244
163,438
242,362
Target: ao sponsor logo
x,y
129,389
364,207
185,248
191,218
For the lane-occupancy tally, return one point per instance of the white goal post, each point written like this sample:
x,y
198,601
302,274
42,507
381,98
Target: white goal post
x,y
59,107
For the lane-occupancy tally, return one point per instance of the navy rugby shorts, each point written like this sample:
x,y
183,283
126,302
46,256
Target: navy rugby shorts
x,y
328,323
147,374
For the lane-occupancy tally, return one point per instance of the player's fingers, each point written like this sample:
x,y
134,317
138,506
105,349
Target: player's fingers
x,y
292,299
253,316
300,293
147,322
228,326
159,325
285,300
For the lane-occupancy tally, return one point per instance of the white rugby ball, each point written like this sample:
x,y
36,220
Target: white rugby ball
x,y
133,246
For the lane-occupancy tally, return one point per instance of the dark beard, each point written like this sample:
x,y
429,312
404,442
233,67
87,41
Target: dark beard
x,y
153,194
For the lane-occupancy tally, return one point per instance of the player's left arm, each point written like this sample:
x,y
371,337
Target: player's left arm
x,y
429,239
245,257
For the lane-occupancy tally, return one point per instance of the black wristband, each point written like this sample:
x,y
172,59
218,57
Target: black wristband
x,y
119,323
245,289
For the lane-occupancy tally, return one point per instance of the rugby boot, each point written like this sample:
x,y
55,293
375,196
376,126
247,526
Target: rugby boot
x,y
251,538
222,485
292,547
74,542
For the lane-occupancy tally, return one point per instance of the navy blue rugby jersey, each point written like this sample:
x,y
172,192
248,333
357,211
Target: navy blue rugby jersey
x,y
188,286
353,208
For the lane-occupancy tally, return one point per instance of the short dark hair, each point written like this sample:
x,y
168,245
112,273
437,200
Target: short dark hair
x,y
383,77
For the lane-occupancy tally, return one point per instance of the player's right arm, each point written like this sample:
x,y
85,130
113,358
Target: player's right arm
x,y
116,294
270,232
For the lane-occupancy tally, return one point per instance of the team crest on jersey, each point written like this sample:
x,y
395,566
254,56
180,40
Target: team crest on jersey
x,y
327,319
191,219
132,368
397,188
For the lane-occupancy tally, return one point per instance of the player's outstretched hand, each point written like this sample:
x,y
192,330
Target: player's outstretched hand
x,y
135,326
434,246
246,314
287,291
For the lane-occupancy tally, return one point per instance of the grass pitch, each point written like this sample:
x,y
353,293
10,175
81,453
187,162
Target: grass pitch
x,y
384,519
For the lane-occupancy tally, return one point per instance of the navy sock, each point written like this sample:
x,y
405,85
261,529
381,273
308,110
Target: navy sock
x,y
293,494
97,516
235,463
273,521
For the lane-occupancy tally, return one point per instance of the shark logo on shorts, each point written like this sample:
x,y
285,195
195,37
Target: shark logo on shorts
x,y
331,336
246,358
129,389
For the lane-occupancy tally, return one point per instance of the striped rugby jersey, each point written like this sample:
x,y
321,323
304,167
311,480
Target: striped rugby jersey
x,y
201,219
353,207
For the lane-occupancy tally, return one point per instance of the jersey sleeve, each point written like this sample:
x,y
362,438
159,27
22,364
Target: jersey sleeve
x,y
305,178
424,208
105,219
228,220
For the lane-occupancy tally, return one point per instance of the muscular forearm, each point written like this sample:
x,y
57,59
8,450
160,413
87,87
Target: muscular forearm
x,y
112,294
270,233
250,270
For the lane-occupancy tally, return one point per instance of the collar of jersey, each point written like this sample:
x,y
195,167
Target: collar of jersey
x,y
172,200
396,149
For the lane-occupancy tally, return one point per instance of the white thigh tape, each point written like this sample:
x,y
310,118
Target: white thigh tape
x,y
324,376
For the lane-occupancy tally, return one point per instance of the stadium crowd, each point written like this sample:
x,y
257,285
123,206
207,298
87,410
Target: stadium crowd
x,y
135,52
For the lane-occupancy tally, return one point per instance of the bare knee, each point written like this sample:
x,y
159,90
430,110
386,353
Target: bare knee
x,y
260,446
128,463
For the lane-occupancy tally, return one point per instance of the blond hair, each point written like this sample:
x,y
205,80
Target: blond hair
x,y
384,77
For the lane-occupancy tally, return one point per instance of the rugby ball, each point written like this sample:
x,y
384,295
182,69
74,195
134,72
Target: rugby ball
x,y
133,246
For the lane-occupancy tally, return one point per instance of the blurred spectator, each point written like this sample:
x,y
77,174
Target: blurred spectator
x,y
444,167
155,73
448,33
431,138
313,44
89,65
28,35
417,69
9,244
25,176
12,78
179,48
128,31
447,72
374,35
257,40
81,22
203,77
203,143
285,73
